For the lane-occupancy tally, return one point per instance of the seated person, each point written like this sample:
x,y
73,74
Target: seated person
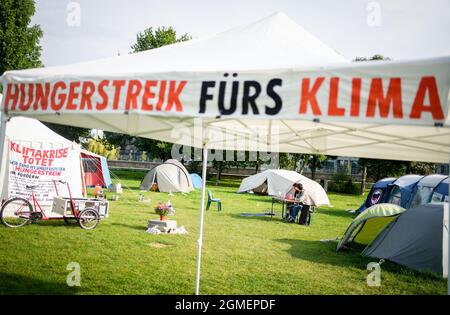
x,y
300,198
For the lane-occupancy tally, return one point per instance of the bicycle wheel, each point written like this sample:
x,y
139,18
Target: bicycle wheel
x,y
88,219
16,212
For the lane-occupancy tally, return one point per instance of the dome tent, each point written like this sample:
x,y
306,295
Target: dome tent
x,y
401,189
440,193
368,224
379,193
423,192
417,239
197,181
279,182
171,176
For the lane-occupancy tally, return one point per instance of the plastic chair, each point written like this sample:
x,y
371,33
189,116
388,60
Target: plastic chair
x,y
212,199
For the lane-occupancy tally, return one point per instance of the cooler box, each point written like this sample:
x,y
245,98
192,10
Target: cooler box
x,y
61,206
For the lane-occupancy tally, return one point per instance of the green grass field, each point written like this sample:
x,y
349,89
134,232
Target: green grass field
x,y
241,255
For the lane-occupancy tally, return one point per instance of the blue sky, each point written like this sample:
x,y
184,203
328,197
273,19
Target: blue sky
x,y
402,29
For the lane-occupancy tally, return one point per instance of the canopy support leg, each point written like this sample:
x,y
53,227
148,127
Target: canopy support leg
x,y
202,213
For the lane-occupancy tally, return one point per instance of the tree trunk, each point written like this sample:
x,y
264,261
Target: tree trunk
x,y
218,172
313,167
363,179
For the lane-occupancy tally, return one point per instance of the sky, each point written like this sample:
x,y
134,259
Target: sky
x,y
76,31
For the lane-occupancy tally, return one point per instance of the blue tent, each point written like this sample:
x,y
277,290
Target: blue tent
x,y
402,188
424,190
197,181
440,193
378,193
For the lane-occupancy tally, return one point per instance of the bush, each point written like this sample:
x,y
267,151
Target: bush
x,y
342,183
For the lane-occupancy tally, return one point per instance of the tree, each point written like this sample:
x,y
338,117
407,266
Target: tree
x,y
379,169
72,133
150,38
19,42
315,161
102,147
422,168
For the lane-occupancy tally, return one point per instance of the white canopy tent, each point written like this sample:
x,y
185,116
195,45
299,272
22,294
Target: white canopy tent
x,y
266,86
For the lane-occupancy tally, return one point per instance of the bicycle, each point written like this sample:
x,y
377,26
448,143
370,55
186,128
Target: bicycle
x,y
17,211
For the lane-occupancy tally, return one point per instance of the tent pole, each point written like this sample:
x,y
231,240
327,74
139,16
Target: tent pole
x,y
202,213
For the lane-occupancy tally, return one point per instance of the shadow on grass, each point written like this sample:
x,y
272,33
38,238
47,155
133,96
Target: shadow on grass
x,y
139,227
258,216
18,284
336,213
325,253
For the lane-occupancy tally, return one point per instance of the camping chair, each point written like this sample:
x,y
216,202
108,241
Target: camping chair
x,y
212,199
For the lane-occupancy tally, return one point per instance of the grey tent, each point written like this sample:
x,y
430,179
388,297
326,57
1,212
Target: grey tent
x,y
423,192
171,176
418,239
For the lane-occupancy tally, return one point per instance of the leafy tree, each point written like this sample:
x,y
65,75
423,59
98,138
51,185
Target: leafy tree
x,y
19,42
76,134
150,38
422,168
379,169
315,161
102,147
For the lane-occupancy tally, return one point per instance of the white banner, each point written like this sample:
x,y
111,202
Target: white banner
x,y
399,93
40,168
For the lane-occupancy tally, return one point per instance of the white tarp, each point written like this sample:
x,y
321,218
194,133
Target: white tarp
x,y
279,183
35,155
267,83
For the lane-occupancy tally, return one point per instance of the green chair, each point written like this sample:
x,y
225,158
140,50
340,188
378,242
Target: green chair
x,y
212,199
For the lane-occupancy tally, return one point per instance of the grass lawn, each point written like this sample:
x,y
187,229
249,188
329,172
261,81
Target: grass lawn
x,y
241,255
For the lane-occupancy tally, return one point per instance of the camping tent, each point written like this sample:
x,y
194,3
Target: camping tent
x,y
440,193
197,181
417,239
37,155
295,94
368,224
424,189
279,183
401,189
379,193
96,170
171,176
